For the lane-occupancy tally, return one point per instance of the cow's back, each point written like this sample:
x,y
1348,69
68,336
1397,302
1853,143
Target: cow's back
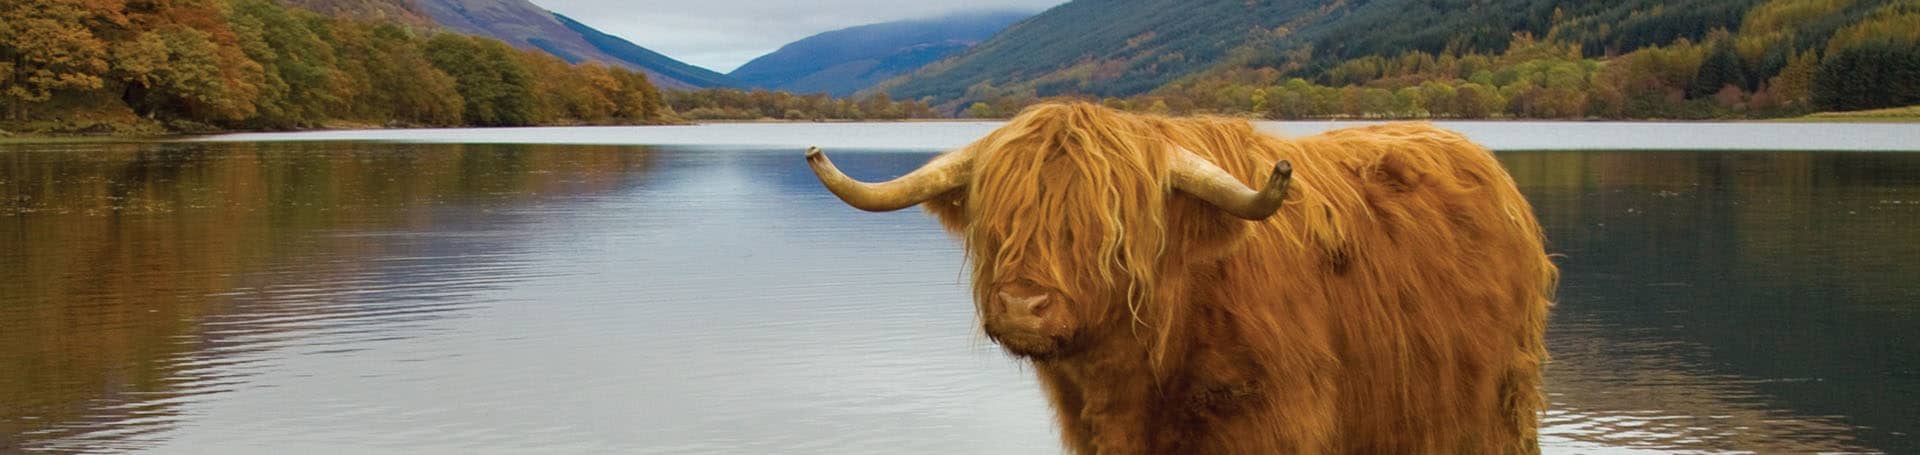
x,y
1429,268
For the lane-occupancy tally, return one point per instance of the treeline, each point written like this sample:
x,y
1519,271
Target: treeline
x,y
758,104
1735,59
202,65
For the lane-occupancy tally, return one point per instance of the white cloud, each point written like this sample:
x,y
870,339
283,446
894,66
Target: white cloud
x,y
723,34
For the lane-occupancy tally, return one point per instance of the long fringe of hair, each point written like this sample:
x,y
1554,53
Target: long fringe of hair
x,y
1099,225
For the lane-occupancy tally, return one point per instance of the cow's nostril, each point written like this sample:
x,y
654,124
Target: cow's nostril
x,y
1039,305
1022,306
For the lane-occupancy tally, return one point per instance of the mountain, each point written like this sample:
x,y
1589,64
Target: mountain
x,y
1105,47
1126,47
844,61
523,24
528,26
400,11
653,62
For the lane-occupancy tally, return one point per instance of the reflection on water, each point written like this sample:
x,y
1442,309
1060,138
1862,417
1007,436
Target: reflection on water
x,y
1761,301
235,298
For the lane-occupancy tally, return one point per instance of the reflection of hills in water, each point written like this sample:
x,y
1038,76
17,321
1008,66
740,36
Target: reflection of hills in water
x,y
148,276
1760,301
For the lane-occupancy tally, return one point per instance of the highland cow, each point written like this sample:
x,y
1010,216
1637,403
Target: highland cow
x,y
1390,299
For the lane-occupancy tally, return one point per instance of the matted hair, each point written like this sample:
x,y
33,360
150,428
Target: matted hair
x,y
1403,254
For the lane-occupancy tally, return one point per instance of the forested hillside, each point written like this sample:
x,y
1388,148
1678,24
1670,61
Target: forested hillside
x,y
843,61
155,66
527,26
401,11
1103,48
1448,58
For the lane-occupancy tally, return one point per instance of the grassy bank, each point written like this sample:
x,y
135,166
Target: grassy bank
x,y
1897,114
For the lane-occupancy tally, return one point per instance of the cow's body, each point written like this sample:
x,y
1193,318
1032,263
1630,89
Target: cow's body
x,y
1395,304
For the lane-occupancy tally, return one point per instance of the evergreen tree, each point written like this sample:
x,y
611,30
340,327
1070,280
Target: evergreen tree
x,y
1870,75
1721,68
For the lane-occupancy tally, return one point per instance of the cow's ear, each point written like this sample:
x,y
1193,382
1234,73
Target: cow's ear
x,y
951,209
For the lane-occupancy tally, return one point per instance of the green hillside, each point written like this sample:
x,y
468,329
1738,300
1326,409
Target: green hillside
x,y
1633,58
1104,48
73,66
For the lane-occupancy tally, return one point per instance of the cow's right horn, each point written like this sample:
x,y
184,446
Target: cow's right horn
x,y
1202,179
945,173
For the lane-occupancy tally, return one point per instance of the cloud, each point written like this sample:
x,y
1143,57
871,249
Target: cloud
x,y
723,34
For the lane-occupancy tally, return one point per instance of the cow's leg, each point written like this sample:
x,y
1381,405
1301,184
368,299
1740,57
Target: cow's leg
x,y
1521,401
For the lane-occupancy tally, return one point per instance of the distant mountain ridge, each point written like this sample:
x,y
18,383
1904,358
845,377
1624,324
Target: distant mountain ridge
x,y
653,62
842,62
523,24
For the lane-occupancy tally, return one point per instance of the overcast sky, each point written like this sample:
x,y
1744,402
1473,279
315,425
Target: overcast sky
x,y
723,34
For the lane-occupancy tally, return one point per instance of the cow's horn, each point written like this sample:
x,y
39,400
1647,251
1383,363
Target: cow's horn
x,y
1198,177
941,175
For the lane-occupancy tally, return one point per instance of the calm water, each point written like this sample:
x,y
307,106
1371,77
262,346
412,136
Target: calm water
x,y
245,297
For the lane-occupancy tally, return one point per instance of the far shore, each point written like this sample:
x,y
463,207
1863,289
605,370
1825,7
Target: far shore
x,y
1910,114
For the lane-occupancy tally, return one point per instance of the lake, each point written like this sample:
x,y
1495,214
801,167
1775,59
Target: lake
x,y
1727,287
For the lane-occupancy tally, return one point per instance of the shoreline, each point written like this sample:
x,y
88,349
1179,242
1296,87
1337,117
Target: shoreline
x,y
1909,115
1496,134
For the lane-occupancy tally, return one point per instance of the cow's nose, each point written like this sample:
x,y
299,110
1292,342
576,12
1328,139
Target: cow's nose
x,y
1023,306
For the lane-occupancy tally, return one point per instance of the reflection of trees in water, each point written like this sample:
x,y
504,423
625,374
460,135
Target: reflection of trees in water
x,y
1782,279
1617,390
131,275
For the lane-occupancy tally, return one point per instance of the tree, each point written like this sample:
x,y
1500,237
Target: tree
x,y
193,81
46,47
302,86
1794,85
980,109
1473,100
1721,68
1870,75
404,86
497,87
636,100
1439,99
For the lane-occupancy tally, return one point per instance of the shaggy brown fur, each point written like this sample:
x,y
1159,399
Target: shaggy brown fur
x,y
1395,304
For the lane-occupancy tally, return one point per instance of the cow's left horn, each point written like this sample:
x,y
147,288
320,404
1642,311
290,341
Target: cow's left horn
x,y
1202,179
941,175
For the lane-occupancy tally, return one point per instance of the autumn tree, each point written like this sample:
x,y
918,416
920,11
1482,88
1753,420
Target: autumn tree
x,y
400,84
46,47
301,85
1793,87
497,87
